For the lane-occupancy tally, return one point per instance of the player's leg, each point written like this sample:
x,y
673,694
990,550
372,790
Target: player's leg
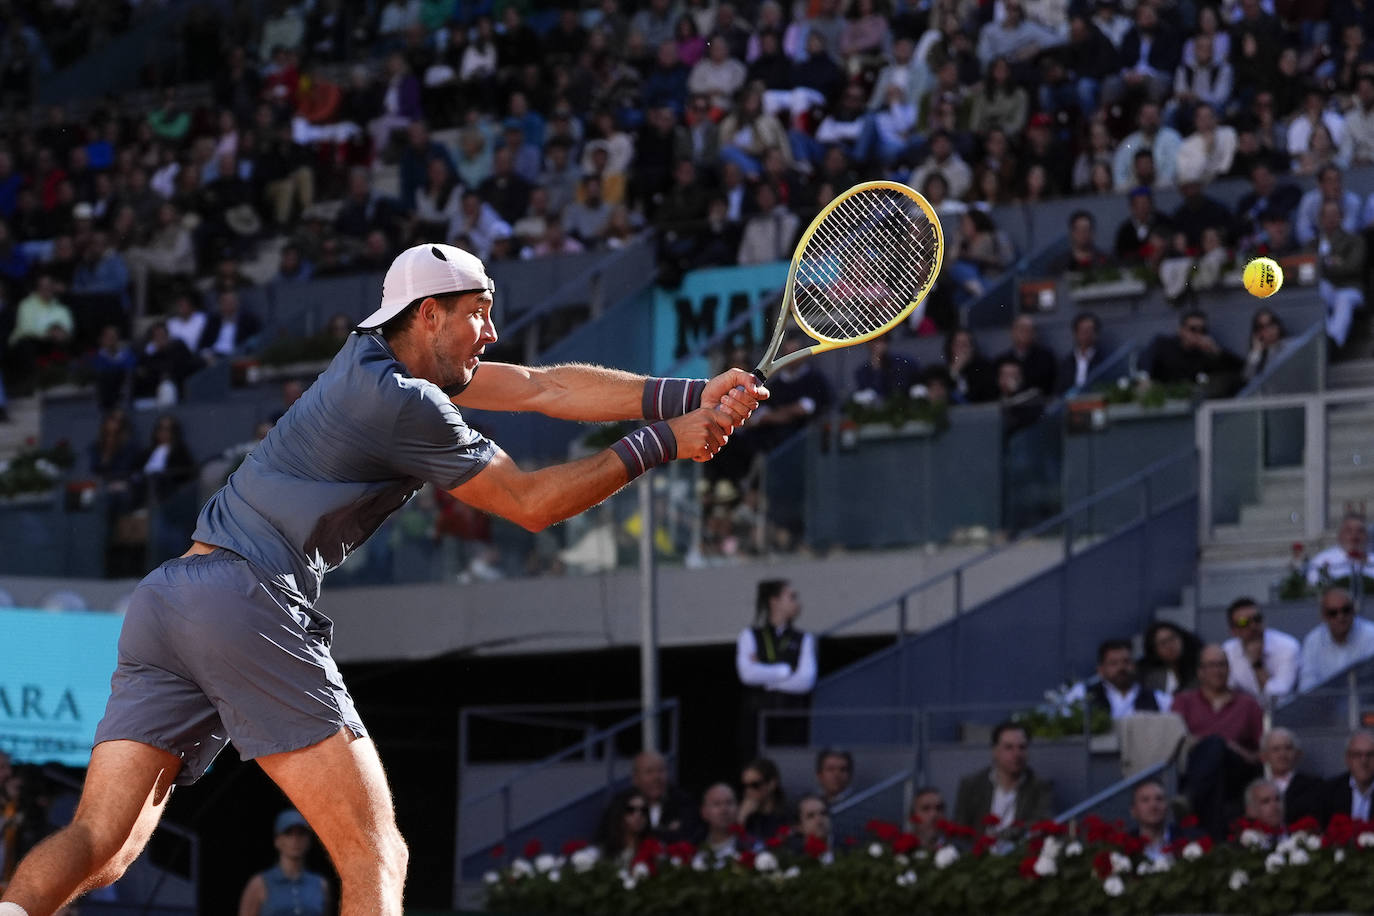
x,y
340,788
126,790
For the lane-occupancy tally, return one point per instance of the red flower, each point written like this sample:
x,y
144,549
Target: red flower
x,y
1027,868
498,851
982,845
1102,864
1132,845
737,829
850,841
784,830
746,859
1049,828
1297,547
1307,824
904,843
533,848
815,847
951,829
573,846
681,850
991,820
883,830
649,849
773,842
1190,820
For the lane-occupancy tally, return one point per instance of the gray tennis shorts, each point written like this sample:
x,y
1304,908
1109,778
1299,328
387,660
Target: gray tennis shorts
x,y
210,653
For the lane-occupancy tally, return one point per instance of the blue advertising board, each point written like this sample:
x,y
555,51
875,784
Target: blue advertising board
x,y
54,680
706,302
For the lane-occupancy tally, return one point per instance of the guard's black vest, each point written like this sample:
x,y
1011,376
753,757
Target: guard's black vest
x,y
771,647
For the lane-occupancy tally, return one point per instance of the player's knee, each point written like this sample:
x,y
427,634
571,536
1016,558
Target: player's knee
x,y
383,859
395,857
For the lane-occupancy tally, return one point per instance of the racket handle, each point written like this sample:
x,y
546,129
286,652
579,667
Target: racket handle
x,y
759,374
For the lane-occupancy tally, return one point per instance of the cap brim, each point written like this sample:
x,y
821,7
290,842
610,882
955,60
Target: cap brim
x,y
388,311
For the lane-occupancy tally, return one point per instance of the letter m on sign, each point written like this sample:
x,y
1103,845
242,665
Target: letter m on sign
x,y
694,326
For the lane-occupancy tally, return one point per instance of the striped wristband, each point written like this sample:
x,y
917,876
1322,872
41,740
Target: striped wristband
x,y
665,398
647,447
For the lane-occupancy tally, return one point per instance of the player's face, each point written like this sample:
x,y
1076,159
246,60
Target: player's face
x,y
462,338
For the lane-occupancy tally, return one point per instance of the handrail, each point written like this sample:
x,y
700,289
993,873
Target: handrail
x,y
1253,386
1051,523
1130,782
580,747
882,785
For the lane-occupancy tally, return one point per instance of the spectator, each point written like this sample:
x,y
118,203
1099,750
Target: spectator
x,y
1267,342
1037,362
671,814
1266,195
1306,224
884,373
292,265
112,363
43,329
1150,821
1359,121
1205,81
846,124
834,775
1198,212
944,161
167,463
288,885
655,23
1350,792
974,378
1101,149
661,141
984,252
102,271
1021,406
812,829
1083,253
1117,689
1134,238
230,330
1008,790
1314,114
1227,726
400,103
586,219
1150,53
717,75
1170,662
169,254
162,359
1016,39
113,457
720,835
776,662
1345,559
763,810
1264,805
666,83
1263,661
1209,151
905,72
478,223
817,71
437,202
770,233
1191,354
1084,356
1151,135
1341,267
1342,640
1275,237
927,811
554,242
1001,103
1303,794
623,827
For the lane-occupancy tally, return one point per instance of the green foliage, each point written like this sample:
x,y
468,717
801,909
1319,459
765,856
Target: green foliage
x,y
35,470
897,411
1064,720
1145,392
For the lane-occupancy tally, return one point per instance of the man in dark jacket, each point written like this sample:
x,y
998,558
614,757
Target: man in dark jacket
x,y
1008,790
1350,792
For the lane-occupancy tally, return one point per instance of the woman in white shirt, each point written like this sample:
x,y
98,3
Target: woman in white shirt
x,y
777,666
438,200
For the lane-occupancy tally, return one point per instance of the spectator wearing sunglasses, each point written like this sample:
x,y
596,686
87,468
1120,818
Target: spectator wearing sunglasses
x,y
1339,641
624,826
1192,353
1267,341
671,812
1347,557
1264,662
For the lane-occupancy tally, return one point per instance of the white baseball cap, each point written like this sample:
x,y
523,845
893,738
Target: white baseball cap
x,y
427,270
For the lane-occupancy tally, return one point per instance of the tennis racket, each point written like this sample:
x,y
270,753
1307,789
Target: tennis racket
x,y
863,266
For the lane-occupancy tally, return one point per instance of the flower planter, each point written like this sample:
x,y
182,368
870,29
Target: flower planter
x,y
909,429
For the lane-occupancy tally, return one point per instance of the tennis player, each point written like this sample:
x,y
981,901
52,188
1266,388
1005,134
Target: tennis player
x,y
225,643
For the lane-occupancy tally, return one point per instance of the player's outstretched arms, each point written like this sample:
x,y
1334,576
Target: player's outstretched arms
x,y
535,500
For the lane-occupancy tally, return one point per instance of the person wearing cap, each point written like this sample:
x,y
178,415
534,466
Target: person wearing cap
x,y
226,643
287,888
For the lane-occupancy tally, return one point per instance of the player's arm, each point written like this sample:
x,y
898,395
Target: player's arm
x,y
536,499
254,896
578,391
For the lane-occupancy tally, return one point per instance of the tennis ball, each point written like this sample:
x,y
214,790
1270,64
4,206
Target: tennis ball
x,y
1263,277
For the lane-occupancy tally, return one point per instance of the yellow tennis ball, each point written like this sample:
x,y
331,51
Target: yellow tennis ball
x,y
1263,277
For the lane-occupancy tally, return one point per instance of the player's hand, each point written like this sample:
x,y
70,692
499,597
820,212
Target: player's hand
x,y
736,392
701,433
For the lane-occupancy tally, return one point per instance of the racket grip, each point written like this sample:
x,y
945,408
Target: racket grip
x,y
759,374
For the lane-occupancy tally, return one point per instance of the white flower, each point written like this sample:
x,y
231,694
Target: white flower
x,y
1144,868
906,879
585,858
946,857
1044,867
1192,851
1239,879
545,863
1073,849
1120,863
1114,886
491,877
1338,856
1051,848
674,861
49,469
1313,842
1287,845
1123,383
922,854
699,862
917,392
1365,840
791,872
1163,864
628,882
1298,856
875,850
640,870
1273,862
521,868
902,860
765,861
1250,838
865,397
554,875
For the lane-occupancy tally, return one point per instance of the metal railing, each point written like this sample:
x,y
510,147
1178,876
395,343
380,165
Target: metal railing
x,y
1100,800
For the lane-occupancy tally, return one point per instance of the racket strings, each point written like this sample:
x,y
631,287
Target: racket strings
x,y
866,261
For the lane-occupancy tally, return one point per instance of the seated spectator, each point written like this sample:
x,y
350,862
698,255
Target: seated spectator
x,y
1263,661
1267,342
770,233
526,158
885,373
763,809
1341,640
230,329
597,163
974,379
1209,151
167,462
400,103
1330,187
1083,253
162,359
1264,805
168,254
1275,238
943,160
1037,362
1348,557
1074,75
187,321
1085,355
1100,151
585,219
1008,790
905,72
1350,792
113,365
477,222
363,209
1198,212
113,457
1152,136
1117,690
1206,80
1321,151
1150,821
43,329
623,827
1227,725
438,200
1314,114
102,271
1267,195
984,252
718,74
1191,353
927,811
1134,238
844,124
1303,794
671,815
717,243
1017,39
812,829
1341,267
890,134
554,242
834,775
473,162
1359,121
1021,405
720,835
1170,661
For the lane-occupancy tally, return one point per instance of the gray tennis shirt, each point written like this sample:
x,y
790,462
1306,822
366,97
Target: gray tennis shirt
x,y
360,442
